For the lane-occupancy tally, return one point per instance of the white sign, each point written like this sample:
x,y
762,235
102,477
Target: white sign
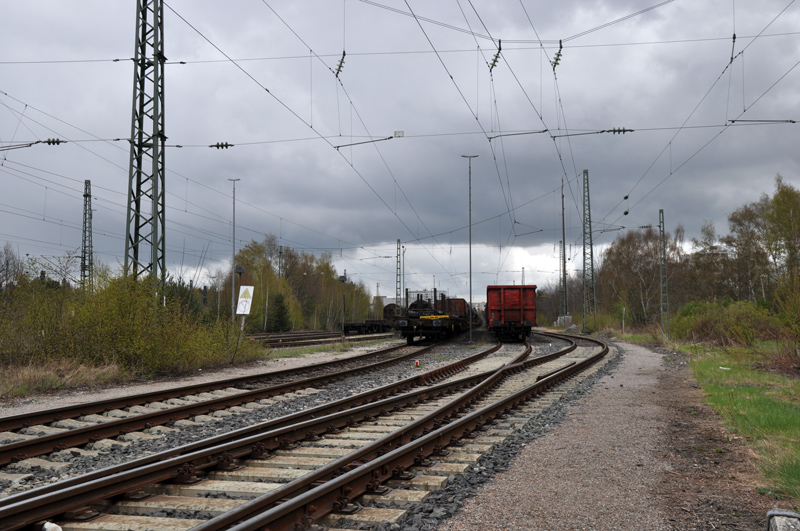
x,y
245,300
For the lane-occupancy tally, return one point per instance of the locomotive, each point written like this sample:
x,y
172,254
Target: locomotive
x,y
438,319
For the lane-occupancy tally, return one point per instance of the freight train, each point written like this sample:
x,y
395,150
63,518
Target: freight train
x,y
438,319
435,319
511,311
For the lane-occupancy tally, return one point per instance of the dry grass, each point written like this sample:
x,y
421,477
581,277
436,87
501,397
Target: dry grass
x,y
54,375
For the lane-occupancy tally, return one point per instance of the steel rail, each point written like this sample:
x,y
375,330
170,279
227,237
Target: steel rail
x,y
33,418
24,449
325,341
294,335
32,506
366,397
331,488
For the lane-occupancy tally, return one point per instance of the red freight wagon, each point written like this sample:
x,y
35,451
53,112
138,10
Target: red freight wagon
x,y
511,311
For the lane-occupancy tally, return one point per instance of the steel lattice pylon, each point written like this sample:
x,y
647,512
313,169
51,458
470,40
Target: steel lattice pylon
x,y
146,205
589,301
87,254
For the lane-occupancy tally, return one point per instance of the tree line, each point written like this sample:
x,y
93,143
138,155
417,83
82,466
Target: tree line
x,y
751,269
293,290
48,314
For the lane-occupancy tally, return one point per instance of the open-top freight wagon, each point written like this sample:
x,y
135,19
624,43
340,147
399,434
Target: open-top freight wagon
x,y
511,311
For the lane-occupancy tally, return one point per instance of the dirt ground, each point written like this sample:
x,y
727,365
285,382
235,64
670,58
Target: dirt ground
x,y
714,478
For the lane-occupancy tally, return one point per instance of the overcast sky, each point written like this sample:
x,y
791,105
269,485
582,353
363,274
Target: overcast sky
x,y
260,75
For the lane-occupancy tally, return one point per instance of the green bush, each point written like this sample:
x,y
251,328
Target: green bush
x,y
740,323
120,323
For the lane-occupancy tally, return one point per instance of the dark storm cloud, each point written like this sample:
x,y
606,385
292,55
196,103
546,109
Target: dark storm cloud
x,y
284,110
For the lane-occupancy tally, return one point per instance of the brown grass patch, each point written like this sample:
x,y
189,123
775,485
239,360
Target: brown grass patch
x,y
781,362
54,375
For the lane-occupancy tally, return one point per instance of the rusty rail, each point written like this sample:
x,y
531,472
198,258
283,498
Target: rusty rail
x,y
23,420
25,449
179,464
332,487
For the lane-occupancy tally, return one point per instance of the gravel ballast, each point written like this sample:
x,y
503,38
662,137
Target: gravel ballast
x,y
631,447
31,473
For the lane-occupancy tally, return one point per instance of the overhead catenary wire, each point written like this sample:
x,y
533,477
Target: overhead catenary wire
x,y
724,127
499,154
340,84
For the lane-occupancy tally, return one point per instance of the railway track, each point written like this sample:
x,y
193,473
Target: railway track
x,y
314,462
303,339
34,434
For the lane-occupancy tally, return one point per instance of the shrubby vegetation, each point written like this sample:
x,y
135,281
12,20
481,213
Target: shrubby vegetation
x,y
739,289
55,332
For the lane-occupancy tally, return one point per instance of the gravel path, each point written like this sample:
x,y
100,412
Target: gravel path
x,y
615,463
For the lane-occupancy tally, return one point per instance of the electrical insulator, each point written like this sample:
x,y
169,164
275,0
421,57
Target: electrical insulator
x,y
340,65
221,145
496,56
557,58
51,141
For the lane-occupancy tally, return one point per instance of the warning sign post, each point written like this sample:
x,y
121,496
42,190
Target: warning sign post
x,y
245,300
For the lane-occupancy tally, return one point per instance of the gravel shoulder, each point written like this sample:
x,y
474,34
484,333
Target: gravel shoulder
x,y
640,451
